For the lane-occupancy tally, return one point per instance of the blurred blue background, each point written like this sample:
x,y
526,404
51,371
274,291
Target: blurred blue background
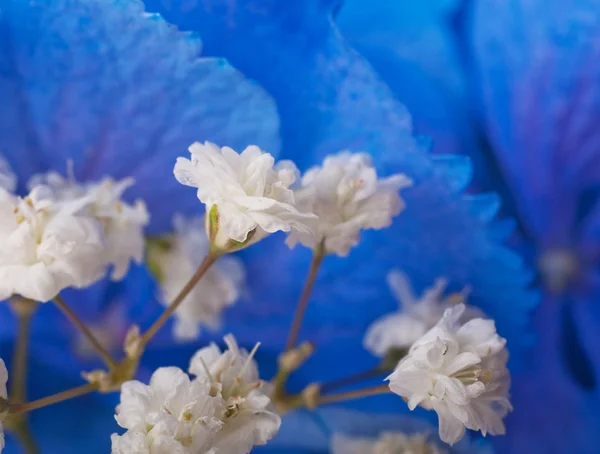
x,y
492,107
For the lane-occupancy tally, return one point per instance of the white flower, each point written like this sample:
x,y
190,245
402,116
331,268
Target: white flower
x,y
8,179
172,414
219,287
250,418
246,196
46,246
4,396
347,197
386,443
416,316
123,224
460,372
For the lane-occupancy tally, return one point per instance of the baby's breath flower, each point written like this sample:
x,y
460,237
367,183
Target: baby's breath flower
x,y
46,245
417,315
246,195
347,196
122,223
176,259
171,414
458,370
249,416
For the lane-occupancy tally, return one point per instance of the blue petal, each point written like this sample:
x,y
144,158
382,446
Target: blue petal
x,y
330,99
537,78
120,93
553,413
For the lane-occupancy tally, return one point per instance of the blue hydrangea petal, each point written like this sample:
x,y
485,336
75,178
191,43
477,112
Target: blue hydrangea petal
x,y
330,99
119,92
552,414
537,80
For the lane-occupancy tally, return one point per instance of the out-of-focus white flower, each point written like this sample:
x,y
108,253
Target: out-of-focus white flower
x,y
219,287
347,197
4,396
416,316
123,224
249,417
246,195
172,414
46,246
386,443
8,179
460,372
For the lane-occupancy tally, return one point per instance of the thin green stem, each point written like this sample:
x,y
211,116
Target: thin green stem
x,y
351,395
23,433
355,378
317,259
158,324
54,399
79,324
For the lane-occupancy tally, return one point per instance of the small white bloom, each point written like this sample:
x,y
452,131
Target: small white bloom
x,y
460,372
416,316
8,179
219,287
123,224
249,417
347,197
386,443
4,396
46,246
247,197
172,414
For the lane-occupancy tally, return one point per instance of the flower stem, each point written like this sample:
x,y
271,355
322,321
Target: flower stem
x,y
23,433
23,310
317,259
73,318
350,395
55,398
202,269
355,378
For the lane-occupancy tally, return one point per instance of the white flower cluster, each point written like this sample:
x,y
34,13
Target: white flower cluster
x,y
65,235
248,196
347,196
386,443
219,288
458,370
226,409
416,316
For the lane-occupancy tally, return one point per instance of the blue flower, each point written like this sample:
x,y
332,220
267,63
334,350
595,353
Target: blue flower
x,y
121,94
538,83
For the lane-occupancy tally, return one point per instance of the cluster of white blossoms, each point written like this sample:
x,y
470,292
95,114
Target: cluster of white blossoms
x,y
399,330
219,288
225,409
386,443
65,235
247,196
459,371
347,196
